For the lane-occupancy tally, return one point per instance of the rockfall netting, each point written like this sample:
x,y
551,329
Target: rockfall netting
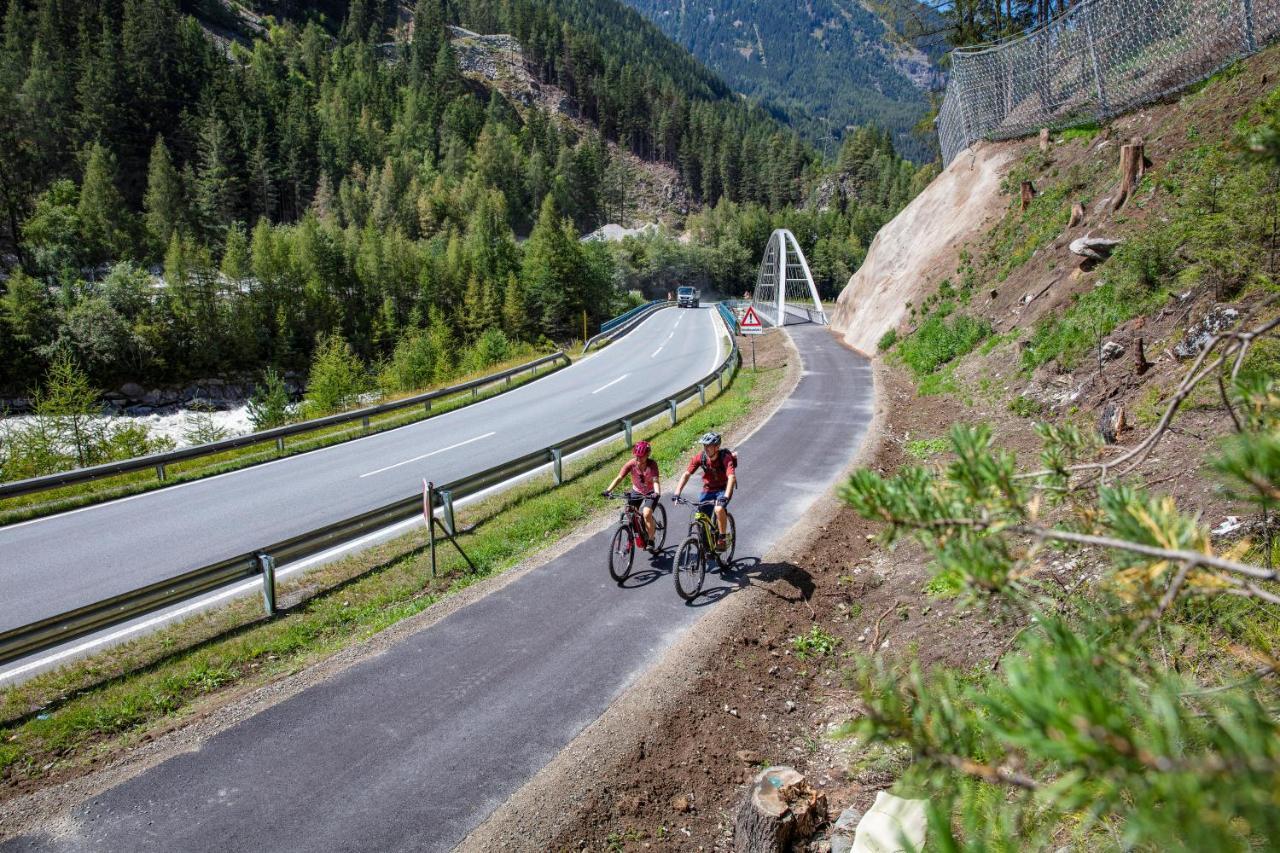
x,y
1100,59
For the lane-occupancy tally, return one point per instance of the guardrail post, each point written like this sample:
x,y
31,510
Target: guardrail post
x,y
268,565
446,502
426,406
626,430
364,422
720,380
475,392
280,444
671,408
557,465
702,394
160,472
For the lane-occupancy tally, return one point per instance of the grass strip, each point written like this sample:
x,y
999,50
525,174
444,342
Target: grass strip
x,y
60,722
52,501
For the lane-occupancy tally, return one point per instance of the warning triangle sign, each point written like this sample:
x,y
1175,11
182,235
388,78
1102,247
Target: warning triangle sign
x,y
750,321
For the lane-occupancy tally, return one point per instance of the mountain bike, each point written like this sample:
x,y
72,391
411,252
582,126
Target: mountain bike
x,y
690,567
631,533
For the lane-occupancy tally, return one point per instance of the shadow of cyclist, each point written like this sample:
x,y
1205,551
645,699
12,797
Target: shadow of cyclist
x,y
752,571
659,566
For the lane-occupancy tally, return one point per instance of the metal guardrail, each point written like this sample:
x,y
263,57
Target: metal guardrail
x,y
158,461
638,316
622,318
726,314
52,631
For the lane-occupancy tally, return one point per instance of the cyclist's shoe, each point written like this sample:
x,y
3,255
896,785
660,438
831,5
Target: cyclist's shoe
x,y
721,543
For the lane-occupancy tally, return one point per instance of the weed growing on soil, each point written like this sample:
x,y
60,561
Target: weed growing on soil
x,y
923,448
815,644
940,340
1025,407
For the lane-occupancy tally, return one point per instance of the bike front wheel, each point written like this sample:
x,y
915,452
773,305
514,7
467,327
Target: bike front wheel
x,y
659,526
622,552
689,569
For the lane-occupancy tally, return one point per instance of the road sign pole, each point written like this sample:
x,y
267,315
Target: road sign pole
x,y
753,352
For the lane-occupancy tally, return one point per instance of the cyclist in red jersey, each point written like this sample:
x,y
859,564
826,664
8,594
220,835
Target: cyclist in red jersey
x,y
719,480
646,485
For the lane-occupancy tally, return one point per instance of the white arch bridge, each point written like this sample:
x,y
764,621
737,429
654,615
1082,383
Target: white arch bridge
x,y
785,292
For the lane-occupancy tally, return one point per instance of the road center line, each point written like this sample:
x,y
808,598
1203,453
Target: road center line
x,y
658,350
425,455
611,384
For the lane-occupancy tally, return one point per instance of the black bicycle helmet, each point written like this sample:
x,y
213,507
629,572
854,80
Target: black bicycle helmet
x,y
711,438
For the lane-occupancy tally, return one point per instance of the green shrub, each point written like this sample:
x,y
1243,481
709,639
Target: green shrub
x,y
1067,336
887,340
1025,407
940,340
337,377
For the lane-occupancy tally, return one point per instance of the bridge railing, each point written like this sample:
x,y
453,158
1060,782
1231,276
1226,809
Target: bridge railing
x,y
159,461
55,630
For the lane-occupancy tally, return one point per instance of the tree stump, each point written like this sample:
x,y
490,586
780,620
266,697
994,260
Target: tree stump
x,y
1077,215
1140,363
781,810
1028,193
1133,165
1044,139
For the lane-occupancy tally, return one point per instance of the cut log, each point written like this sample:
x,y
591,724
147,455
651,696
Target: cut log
x,y
1093,248
782,809
1028,193
1133,165
1044,139
1140,363
1077,215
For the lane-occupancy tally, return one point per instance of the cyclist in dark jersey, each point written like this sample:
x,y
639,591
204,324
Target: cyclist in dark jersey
x,y
719,479
646,484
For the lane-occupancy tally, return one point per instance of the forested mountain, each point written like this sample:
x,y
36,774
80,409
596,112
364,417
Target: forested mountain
x,y
824,64
296,179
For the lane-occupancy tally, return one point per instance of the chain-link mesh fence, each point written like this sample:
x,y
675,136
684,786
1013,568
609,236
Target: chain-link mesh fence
x,y
1100,59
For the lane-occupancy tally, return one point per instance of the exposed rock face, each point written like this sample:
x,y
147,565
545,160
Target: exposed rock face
x,y
920,241
1218,320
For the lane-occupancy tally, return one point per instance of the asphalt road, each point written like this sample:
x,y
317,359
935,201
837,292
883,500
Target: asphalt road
x,y
54,564
412,749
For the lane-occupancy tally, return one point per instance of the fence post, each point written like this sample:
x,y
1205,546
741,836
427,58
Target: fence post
x,y
429,510
1250,40
557,467
626,430
1104,109
268,565
160,472
672,411
446,501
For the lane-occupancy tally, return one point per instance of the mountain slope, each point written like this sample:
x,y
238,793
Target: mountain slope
x,y
824,64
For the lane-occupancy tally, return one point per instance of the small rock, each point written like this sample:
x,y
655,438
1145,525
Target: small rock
x,y
791,706
1111,351
1217,320
747,756
681,803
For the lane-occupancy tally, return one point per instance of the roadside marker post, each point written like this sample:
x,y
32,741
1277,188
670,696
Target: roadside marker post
x,y
751,326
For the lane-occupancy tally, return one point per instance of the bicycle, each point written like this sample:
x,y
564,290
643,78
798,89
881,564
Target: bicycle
x,y
690,567
631,526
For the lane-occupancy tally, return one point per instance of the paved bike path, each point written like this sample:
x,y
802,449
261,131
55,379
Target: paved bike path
x,y
412,749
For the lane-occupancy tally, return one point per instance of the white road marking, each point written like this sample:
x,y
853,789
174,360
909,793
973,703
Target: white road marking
x,y
611,384
658,350
425,455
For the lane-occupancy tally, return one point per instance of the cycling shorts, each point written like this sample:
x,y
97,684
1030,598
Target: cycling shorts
x,y
717,497
638,500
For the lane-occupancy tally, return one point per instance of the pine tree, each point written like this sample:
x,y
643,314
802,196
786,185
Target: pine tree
x,y
216,190
103,217
164,202
515,309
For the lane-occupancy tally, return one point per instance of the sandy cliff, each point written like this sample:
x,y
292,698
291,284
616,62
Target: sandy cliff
x,y
920,245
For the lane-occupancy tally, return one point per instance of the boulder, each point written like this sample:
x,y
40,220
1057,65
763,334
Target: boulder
x,y
1215,322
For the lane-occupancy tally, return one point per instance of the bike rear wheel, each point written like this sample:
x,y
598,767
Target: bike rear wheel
x,y
689,569
659,526
725,558
622,552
